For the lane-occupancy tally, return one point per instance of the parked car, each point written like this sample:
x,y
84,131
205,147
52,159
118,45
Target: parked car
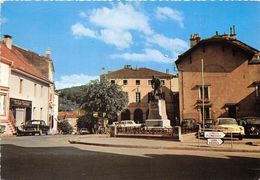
x,y
251,125
209,123
189,124
83,131
229,126
33,127
127,124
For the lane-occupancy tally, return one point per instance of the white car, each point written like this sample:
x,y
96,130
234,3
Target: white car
x,y
229,126
127,124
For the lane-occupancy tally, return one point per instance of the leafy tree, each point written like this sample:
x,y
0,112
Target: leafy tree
x,y
65,127
104,98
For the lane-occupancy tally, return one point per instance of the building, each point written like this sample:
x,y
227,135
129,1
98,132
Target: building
x,y
25,90
220,75
137,83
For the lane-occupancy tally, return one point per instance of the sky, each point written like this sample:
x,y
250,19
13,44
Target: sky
x,y
86,36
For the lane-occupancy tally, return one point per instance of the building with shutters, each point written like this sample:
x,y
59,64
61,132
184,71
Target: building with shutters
x,y
137,83
221,75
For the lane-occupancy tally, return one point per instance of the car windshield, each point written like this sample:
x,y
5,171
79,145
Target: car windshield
x,y
227,121
253,121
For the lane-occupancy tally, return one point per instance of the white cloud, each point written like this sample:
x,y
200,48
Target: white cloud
x,y
79,30
74,80
147,56
122,17
165,12
119,25
114,25
176,45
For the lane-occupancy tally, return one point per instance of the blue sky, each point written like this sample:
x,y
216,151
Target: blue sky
x,y
86,36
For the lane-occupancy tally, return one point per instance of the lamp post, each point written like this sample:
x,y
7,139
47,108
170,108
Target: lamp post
x,y
203,94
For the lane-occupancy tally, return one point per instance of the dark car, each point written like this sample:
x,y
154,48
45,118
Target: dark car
x,y
209,123
251,125
189,125
33,127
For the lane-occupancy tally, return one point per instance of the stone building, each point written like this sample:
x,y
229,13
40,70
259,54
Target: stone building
x,y
137,83
25,91
221,74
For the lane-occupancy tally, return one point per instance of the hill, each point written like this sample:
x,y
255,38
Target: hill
x,y
70,99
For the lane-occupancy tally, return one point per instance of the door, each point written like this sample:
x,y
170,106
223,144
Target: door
x,y
20,116
232,112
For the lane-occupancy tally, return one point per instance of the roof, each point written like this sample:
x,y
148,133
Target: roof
x,y
140,73
220,39
71,114
19,62
40,62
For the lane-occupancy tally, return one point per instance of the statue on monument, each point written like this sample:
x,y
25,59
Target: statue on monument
x,y
157,87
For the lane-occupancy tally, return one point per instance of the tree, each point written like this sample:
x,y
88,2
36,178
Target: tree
x,y
65,127
105,98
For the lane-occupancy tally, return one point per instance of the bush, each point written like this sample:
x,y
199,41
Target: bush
x,y
65,127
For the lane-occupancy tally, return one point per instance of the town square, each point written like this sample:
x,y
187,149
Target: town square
x,y
130,90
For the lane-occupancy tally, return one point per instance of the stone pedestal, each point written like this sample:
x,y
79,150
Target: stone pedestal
x,y
157,114
157,109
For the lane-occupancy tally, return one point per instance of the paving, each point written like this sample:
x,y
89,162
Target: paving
x,y
188,142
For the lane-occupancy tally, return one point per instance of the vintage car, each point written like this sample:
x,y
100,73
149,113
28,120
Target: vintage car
x,y
189,124
251,125
33,127
127,124
83,131
230,127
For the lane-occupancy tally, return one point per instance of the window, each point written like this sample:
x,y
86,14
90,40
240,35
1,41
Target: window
x,y
206,112
125,82
2,105
35,88
41,113
149,82
257,90
41,91
138,97
34,112
163,82
112,81
150,96
206,93
21,86
137,82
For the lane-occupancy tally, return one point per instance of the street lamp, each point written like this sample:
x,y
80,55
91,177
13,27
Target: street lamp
x,y
203,94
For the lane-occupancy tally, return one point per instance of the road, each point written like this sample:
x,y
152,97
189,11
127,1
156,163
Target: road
x,y
52,157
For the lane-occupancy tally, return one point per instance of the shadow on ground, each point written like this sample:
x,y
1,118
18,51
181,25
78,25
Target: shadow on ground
x,y
48,163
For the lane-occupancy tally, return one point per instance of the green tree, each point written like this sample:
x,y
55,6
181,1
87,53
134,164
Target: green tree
x,y
105,98
65,127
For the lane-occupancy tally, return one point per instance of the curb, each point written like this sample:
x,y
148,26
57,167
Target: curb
x,y
161,147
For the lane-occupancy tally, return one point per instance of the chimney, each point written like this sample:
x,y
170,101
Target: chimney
x,y
233,33
167,71
48,53
194,39
8,41
103,71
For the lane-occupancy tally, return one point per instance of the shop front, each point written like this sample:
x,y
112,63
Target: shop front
x,y
21,109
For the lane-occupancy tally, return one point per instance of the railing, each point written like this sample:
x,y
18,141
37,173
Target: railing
x,y
145,132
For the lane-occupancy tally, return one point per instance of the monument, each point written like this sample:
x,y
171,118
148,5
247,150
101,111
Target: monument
x,y
157,116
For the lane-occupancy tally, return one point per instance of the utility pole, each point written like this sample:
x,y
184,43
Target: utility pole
x,y
203,94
